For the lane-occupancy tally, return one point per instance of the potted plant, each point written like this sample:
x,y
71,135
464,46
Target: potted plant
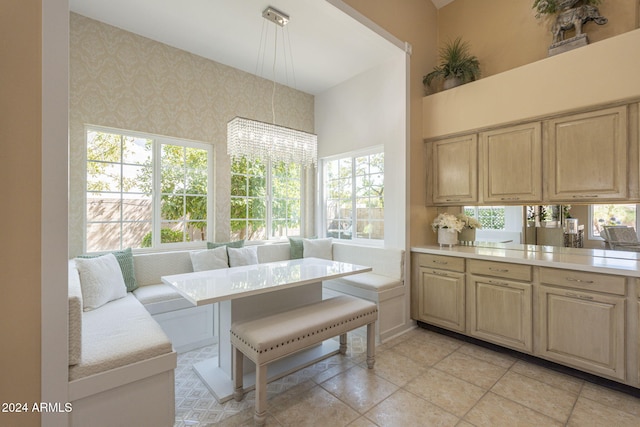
x,y
457,65
553,7
468,233
447,226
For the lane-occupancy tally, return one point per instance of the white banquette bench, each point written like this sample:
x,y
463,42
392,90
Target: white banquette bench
x,y
122,355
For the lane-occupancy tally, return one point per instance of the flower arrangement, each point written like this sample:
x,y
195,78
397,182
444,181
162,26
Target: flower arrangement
x,y
469,221
447,220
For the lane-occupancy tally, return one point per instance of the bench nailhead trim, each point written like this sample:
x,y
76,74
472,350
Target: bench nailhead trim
x,y
255,350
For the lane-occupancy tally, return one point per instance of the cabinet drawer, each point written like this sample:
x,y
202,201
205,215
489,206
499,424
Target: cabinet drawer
x,y
500,269
583,280
441,262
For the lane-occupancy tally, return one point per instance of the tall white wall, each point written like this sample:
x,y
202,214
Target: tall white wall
x,y
369,110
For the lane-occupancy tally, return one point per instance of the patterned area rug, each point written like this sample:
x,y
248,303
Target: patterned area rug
x,y
196,406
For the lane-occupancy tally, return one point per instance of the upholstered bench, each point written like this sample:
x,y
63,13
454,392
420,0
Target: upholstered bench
x,y
270,338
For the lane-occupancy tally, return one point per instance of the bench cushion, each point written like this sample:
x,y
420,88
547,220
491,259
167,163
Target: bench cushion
x,y
269,338
121,332
369,281
75,315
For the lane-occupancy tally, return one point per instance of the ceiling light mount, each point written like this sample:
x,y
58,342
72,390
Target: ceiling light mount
x,y
274,15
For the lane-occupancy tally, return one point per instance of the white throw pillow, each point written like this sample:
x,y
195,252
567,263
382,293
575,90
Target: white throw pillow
x,y
318,248
101,281
209,259
242,256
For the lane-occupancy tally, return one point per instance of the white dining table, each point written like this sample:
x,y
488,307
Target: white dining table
x,y
250,292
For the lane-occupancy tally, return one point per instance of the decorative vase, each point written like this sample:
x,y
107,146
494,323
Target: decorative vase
x,y
467,236
451,82
447,237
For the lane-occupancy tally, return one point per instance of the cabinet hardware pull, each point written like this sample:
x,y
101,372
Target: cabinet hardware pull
x,y
437,273
493,282
499,270
453,200
435,261
582,196
571,279
510,198
574,295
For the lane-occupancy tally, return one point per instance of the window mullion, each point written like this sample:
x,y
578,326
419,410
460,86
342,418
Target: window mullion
x,y
156,195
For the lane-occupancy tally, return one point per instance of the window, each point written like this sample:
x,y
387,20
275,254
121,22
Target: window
x,y
491,217
145,191
354,196
499,223
266,199
615,214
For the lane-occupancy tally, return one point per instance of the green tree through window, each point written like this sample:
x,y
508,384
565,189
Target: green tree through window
x,y
126,201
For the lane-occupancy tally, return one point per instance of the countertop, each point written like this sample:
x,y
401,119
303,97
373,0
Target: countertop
x,y
592,260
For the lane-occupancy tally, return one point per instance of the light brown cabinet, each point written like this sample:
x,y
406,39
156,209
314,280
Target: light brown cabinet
x,y
455,170
499,309
581,328
586,156
511,164
439,292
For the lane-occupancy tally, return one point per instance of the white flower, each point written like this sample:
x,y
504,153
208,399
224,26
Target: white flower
x,y
447,220
469,221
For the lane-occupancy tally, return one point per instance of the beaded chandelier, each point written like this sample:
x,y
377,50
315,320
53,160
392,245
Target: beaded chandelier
x,y
256,140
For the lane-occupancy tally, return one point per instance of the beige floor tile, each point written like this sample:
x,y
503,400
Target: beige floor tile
x,y
463,423
440,340
487,355
496,411
536,395
362,422
615,399
446,391
548,376
333,366
589,413
288,397
360,388
312,405
244,419
396,367
476,371
423,352
405,409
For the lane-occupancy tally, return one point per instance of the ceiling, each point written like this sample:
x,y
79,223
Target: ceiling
x,y
327,46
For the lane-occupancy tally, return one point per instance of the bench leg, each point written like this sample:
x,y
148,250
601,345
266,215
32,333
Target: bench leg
x,y
343,343
238,391
261,395
371,344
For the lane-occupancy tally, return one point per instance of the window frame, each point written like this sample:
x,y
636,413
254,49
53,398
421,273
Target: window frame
x,y
591,236
156,196
269,201
322,191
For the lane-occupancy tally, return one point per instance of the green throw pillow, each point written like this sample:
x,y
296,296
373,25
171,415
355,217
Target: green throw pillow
x,y
125,259
296,247
236,244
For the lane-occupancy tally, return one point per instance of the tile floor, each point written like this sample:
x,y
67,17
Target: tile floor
x,y
421,378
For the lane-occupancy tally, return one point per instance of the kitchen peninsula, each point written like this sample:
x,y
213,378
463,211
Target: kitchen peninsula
x,y
575,307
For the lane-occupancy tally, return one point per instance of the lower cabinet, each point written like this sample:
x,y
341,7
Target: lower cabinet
x,y
500,311
584,330
441,298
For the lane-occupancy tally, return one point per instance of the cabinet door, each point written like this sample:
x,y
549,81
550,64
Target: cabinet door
x,y
511,164
441,298
587,156
500,311
455,170
583,330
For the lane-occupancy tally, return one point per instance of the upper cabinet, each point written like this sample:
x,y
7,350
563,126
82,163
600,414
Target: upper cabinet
x,y
455,170
511,164
587,156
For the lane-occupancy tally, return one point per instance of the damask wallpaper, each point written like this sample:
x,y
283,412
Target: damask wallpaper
x,y
121,80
